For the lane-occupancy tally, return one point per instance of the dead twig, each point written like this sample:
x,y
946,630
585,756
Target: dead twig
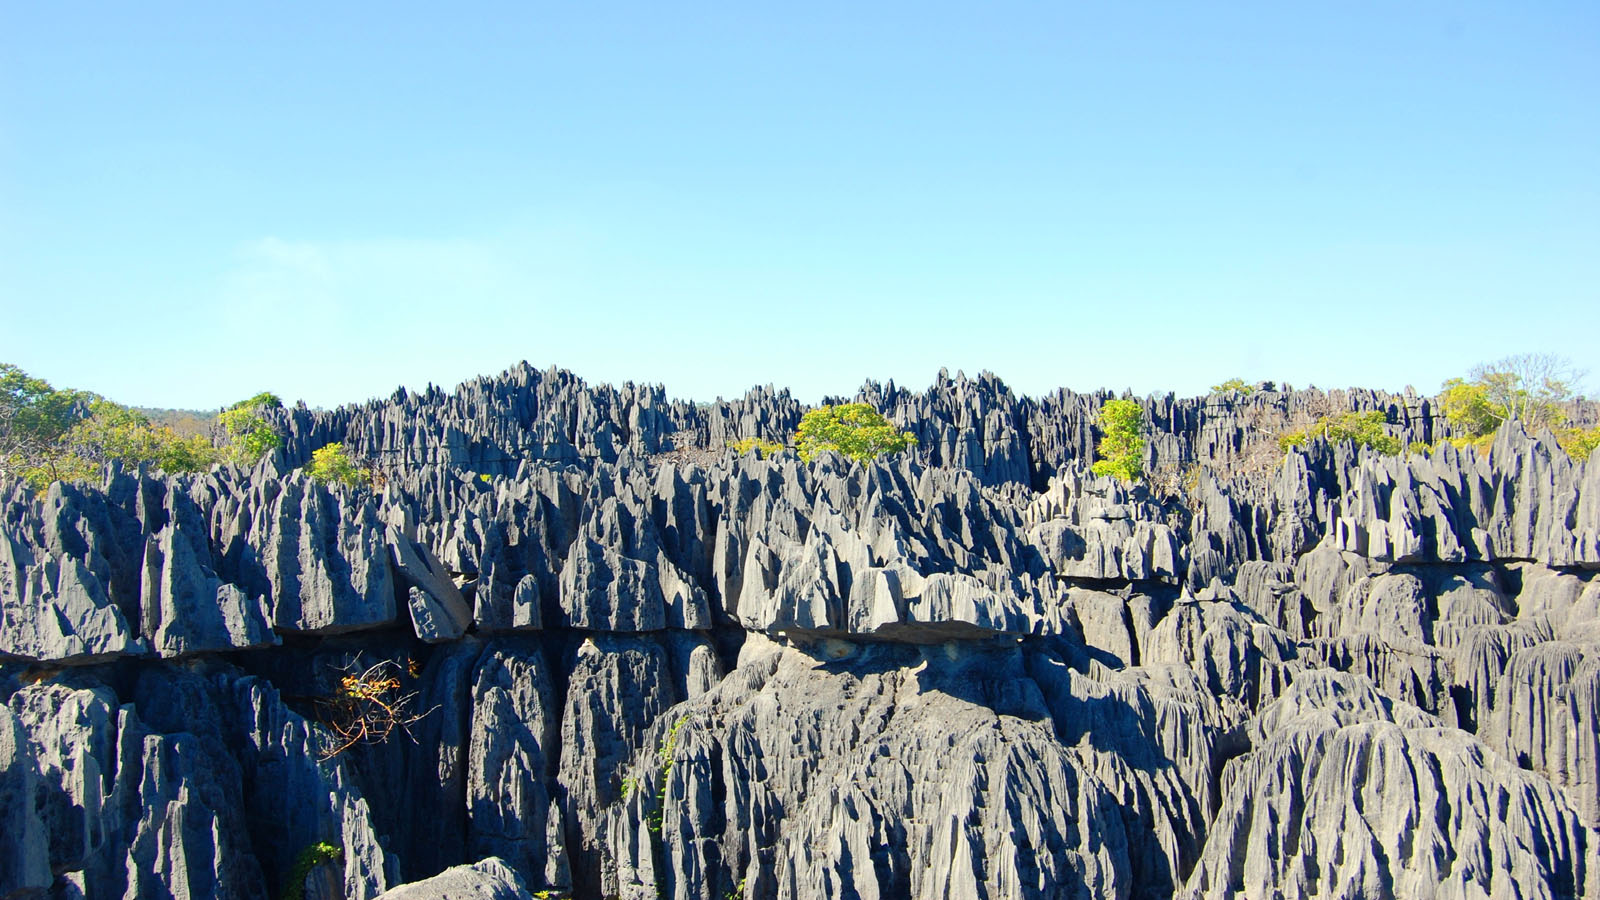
x,y
369,707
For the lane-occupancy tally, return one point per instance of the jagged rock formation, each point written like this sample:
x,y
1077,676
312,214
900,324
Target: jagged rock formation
x,y
628,663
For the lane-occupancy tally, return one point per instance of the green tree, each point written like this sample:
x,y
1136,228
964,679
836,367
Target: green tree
x,y
331,463
1365,429
1529,388
1233,384
1122,444
855,430
48,435
34,417
250,435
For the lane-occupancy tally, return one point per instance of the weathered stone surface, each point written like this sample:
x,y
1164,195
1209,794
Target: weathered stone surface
x,y
438,611
972,670
132,808
186,607
325,558
24,854
512,808
1348,794
619,688
294,795
896,772
487,879
1234,653
57,608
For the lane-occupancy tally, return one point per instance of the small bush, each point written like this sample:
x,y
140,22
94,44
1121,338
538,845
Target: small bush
x,y
331,463
309,858
855,430
1365,429
763,447
1121,449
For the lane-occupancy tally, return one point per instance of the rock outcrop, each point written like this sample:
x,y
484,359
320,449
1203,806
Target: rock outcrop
x,y
572,646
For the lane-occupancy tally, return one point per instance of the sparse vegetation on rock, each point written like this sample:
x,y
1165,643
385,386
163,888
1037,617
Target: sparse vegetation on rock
x,y
330,463
1364,429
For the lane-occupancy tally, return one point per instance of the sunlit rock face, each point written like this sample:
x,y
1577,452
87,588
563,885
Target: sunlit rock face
x,y
573,645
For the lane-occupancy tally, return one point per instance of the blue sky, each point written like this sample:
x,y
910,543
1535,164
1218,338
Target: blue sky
x,y
199,201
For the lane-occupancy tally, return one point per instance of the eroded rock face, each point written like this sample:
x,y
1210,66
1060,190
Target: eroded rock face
x,y
899,771
1348,793
630,664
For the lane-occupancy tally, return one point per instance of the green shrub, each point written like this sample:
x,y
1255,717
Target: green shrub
x,y
763,447
312,856
331,463
1365,429
1121,447
855,430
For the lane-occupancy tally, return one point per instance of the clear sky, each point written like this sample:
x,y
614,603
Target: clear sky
x,y
203,200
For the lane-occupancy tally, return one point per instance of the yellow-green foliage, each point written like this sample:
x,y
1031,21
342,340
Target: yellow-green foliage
x,y
1365,429
1529,389
1121,447
1467,406
117,432
331,463
249,433
1579,442
1233,384
855,430
763,447
312,856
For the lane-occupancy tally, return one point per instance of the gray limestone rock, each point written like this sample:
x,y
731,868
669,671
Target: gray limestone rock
x,y
512,807
186,607
964,671
326,560
895,772
438,611
295,794
619,687
486,879
1234,653
1346,793
57,609
24,854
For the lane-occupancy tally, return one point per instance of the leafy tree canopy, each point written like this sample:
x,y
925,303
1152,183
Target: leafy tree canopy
x,y
1530,388
1233,384
33,415
855,430
1121,449
250,435
51,435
